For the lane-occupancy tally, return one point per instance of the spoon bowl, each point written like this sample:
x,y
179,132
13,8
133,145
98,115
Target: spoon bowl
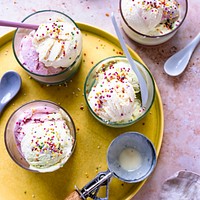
x,y
10,84
177,63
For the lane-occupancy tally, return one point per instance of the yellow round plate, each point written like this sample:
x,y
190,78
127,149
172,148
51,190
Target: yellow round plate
x,y
93,138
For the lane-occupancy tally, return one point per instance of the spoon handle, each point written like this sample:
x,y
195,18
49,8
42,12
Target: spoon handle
x,y
18,24
142,83
193,44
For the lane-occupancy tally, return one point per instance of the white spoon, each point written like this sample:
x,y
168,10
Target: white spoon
x,y
142,82
177,63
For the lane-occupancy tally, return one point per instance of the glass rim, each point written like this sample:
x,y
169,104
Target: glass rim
x,y
42,75
154,36
115,124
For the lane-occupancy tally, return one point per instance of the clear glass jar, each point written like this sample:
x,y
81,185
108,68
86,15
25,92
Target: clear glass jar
x,y
43,17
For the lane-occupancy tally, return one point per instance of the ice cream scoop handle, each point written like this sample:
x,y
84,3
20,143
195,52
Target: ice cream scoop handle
x,y
18,24
74,196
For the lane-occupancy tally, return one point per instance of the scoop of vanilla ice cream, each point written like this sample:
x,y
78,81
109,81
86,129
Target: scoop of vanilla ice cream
x,y
141,16
119,69
114,101
46,142
148,17
113,97
58,44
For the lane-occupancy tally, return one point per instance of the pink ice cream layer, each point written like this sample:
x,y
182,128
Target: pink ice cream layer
x,y
38,115
30,59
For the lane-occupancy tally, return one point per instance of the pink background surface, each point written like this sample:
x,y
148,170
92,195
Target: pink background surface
x,y
180,95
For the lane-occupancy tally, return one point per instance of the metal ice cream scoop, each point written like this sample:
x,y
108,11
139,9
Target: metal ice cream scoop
x,y
123,163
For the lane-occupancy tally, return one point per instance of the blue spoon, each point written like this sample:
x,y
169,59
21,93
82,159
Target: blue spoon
x,y
10,84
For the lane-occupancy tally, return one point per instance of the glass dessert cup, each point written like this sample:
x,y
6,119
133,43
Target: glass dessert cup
x,y
14,148
91,80
154,39
39,18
